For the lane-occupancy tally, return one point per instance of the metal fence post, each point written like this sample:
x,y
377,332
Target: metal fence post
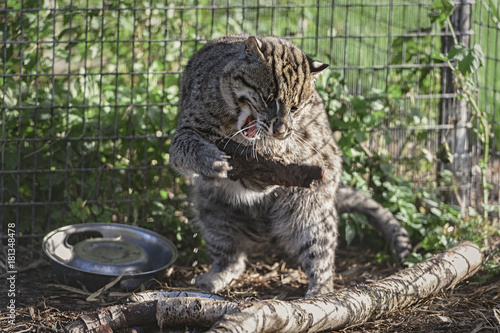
x,y
455,111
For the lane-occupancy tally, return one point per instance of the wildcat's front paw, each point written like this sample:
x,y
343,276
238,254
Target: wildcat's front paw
x,y
318,289
212,282
214,164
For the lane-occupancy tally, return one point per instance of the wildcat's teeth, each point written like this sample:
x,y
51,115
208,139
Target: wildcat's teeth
x,y
251,128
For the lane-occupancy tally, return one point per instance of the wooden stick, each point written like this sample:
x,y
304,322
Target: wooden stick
x,y
252,164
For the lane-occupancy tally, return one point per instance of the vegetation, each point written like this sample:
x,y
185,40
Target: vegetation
x,y
90,91
420,208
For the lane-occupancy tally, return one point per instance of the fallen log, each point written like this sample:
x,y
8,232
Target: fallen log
x,y
355,305
358,304
169,312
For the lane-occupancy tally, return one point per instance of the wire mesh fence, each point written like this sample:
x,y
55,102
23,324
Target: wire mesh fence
x,y
89,93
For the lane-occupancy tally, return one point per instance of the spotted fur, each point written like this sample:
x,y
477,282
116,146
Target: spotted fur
x,y
258,91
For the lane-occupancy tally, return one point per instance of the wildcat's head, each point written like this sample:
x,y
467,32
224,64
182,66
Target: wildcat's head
x,y
269,86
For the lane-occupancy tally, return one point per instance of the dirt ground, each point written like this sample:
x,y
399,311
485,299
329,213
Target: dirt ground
x,y
43,305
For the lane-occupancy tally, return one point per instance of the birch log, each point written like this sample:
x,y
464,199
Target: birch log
x,y
168,312
355,305
358,304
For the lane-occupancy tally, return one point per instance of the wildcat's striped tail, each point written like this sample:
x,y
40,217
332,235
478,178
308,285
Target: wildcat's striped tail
x,y
350,200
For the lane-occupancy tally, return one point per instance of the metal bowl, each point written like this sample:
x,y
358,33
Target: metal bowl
x,y
94,254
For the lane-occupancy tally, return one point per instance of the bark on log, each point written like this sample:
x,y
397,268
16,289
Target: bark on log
x,y
115,317
171,312
334,311
252,164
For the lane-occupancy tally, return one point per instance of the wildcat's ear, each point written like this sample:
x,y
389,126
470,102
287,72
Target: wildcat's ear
x,y
253,49
317,67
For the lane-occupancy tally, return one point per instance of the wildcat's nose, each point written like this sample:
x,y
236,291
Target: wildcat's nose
x,y
279,129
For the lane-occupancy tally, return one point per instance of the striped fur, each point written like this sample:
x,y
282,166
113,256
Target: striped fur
x,y
259,92
349,200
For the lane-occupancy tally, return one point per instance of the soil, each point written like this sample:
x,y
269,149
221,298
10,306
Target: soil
x,y
44,305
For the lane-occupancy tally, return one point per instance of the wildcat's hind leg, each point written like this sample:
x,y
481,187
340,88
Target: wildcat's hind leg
x,y
310,233
227,245
316,247
226,266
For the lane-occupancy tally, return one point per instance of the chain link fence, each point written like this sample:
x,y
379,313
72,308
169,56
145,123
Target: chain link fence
x,y
89,94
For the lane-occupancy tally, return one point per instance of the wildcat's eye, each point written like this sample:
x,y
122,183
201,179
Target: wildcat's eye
x,y
272,103
293,109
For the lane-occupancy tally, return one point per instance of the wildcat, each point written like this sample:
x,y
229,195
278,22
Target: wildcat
x,y
258,91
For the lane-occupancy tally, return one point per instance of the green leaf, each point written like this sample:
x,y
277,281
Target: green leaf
x,y
164,194
469,60
458,52
440,56
359,104
360,136
350,232
377,105
444,153
435,211
367,119
472,61
387,168
441,10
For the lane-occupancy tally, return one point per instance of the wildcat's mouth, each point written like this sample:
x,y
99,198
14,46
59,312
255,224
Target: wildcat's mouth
x,y
249,128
